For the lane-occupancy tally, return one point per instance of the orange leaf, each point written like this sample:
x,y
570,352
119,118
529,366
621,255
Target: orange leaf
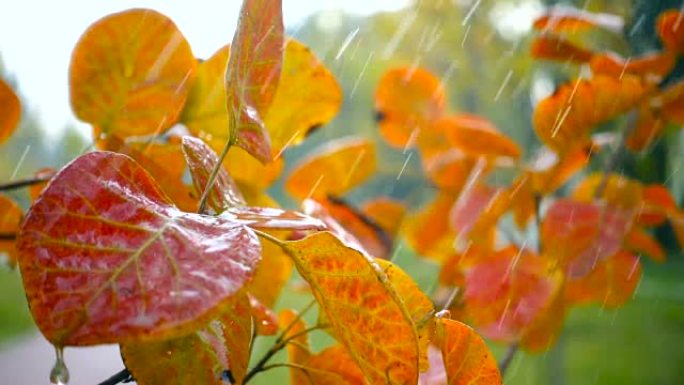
x,y
428,231
653,67
36,189
611,283
543,332
298,353
308,97
334,169
201,160
564,120
406,101
672,101
477,136
253,73
648,128
10,220
640,241
450,170
200,357
549,171
386,212
10,111
130,73
579,234
618,190
551,47
365,310
508,291
333,366
671,31
105,257
658,203
563,19
467,360
265,321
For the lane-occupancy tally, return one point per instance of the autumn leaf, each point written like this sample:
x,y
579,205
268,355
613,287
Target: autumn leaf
x,y
130,73
564,120
654,67
647,129
265,321
579,234
671,31
618,191
252,74
428,231
610,284
549,170
507,291
478,203
299,352
271,275
105,257
450,170
658,203
551,47
201,357
477,136
467,360
334,169
563,19
365,311
671,101
639,241
386,212
10,111
201,160
308,97
10,220
406,101
43,173
163,160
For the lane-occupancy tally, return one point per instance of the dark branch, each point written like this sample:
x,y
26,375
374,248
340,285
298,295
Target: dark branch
x,y
508,358
8,236
123,376
16,184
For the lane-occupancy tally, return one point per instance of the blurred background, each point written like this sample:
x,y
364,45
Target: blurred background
x,y
480,49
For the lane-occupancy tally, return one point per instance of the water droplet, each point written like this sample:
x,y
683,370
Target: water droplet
x,y
59,375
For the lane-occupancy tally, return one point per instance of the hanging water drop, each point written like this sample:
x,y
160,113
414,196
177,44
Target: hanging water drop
x,y
59,375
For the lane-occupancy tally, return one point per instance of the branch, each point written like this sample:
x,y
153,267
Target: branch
x,y
16,184
508,358
123,376
8,236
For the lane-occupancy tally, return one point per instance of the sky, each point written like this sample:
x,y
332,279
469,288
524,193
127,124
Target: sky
x,y
37,37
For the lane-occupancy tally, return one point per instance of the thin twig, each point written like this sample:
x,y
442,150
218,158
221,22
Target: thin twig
x,y
294,321
123,376
16,184
508,358
212,177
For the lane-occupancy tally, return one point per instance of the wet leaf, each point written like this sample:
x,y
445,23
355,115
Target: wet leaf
x,y
564,120
386,212
269,218
551,47
200,357
265,321
105,257
658,203
333,366
406,101
450,170
654,67
10,220
563,19
163,160
610,284
253,72
467,360
481,203
544,331
640,241
508,291
671,31
201,160
10,111
334,169
428,231
477,136
366,313
579,234
308,97
130,73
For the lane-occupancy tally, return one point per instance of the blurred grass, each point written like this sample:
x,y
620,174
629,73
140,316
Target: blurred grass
x,y
639,343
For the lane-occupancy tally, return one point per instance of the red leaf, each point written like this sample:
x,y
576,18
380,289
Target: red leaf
x,y
105,257
252,75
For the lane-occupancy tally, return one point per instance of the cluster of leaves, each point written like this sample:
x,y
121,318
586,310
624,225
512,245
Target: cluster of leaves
x,y
588,241
117,248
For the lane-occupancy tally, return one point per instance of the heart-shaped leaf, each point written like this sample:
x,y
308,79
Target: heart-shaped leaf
x,y
105,257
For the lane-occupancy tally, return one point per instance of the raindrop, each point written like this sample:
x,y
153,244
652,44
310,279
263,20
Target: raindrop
x,y
471,12
59,375
346,43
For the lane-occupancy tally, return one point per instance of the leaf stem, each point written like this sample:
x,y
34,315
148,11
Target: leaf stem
x,y
212,178
16,184
270,238
124,376
508,358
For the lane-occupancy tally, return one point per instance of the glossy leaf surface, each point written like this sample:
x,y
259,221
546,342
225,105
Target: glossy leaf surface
x,y
252,74
130,73
105,257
